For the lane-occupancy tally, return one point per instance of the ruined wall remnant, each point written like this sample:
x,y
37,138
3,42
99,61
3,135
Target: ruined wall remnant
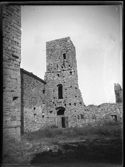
x,y
11,31
64,103
105,111
118,93
32,102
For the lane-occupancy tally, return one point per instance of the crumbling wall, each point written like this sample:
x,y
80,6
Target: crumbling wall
x,y
61,72
105,111
32,101
11,32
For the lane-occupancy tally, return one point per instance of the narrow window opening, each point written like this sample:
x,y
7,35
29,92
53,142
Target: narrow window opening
x,y
60,91
64,56
74,104
43,91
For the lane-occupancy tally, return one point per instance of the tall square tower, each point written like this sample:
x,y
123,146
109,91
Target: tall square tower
x,y
64,103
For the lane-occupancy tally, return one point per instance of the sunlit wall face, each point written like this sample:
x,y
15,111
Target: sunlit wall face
x,y
96,32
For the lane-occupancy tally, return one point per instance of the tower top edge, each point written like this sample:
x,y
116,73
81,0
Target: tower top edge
x,y
58,40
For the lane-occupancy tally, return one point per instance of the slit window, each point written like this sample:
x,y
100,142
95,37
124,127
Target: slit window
x,y
60,91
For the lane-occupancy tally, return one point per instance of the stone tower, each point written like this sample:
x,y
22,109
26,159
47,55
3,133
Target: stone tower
x,y
118,93
11,32
64,103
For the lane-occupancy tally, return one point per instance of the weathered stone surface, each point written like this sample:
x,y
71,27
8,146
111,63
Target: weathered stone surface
x,y
62,90
105,111
11,26
32,101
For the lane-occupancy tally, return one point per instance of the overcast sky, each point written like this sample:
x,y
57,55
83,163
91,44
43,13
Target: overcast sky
x,y
96,32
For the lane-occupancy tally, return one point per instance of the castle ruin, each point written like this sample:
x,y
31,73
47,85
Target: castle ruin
x,y
29,102
64,103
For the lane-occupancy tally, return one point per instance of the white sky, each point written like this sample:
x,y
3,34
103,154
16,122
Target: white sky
x,y
96,32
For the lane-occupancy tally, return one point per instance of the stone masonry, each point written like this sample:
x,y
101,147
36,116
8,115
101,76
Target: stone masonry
x,y
11,32
29,102
104,112
32,102
64,103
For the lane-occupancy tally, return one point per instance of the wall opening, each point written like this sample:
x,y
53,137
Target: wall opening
x,y
64,55
62,120
114,117
60,110
60,91
15,97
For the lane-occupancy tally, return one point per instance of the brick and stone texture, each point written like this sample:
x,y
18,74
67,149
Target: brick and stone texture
x,y
32,102
64,103
11,32
105,111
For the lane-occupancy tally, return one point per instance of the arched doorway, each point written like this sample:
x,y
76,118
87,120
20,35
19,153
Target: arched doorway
x,y
62,121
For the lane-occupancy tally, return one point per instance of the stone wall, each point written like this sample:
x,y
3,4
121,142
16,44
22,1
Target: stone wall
x,y
105,111
64,102
11,32
32,102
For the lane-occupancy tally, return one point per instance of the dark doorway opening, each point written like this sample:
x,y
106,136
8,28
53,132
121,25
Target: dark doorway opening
x,y
63,122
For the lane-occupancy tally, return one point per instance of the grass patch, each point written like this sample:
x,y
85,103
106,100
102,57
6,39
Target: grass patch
x,y
107,129
20,152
